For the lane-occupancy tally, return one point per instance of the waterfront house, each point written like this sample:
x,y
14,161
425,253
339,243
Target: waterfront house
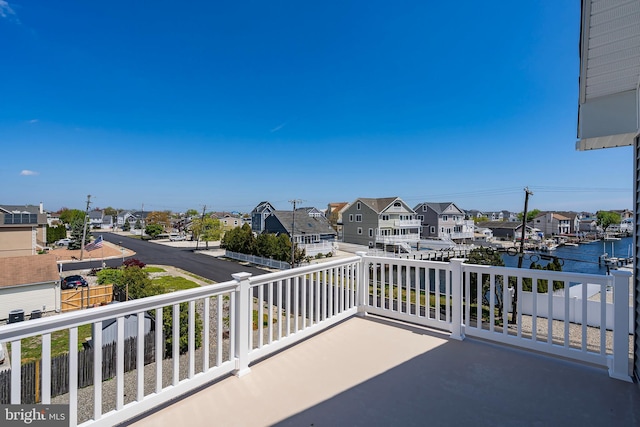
x,y
334,215
259,214
444,221
506,230
552,223
383,222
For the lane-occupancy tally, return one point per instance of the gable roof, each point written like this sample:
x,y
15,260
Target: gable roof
x,y
438,207
32,209
27,270
304,224
379,204
262,206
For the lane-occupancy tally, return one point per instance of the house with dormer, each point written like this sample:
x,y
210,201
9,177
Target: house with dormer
x,y
444,221
259,214
381,222
23,230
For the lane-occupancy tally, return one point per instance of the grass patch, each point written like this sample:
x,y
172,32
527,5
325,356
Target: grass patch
x,y
154,270
31,348
195,276
174,283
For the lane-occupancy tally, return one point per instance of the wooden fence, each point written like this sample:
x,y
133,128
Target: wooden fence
x,y
85,297
31,379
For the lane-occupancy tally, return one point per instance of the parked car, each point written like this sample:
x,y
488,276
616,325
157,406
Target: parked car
x,y
64,242
72,282
177,237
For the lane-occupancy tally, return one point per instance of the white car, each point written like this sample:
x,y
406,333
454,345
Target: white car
x,y
64,242
177,238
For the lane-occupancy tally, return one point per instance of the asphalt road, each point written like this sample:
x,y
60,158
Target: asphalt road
x,y
218,270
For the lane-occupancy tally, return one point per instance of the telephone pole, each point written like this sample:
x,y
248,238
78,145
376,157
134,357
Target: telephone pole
x,y
514,300
84,228
204,207
293,228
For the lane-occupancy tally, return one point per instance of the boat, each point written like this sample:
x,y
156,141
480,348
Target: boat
x,y
571,244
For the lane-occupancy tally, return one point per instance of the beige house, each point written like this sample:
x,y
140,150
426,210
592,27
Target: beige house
x,y
29,283
23,230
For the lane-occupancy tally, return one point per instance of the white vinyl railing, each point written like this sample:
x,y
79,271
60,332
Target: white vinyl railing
x,y
221,329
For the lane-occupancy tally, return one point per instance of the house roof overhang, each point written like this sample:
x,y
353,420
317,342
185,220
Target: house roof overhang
x,y
609,99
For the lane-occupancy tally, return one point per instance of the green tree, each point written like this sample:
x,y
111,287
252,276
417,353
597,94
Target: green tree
x,y
606,218
267,245
69,216
126,226
154,230
77,231
162,218
191,213
485,256
135,283
239,239
530,215
138,224
543,285
56,233
284,248
110,276
207,229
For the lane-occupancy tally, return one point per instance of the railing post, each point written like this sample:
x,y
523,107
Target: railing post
x,y
456,299
362,286
243,314
619,365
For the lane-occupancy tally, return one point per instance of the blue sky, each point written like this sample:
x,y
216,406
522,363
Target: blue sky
x,y
176,105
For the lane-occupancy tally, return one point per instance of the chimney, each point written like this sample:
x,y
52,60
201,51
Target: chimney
x,y
41,208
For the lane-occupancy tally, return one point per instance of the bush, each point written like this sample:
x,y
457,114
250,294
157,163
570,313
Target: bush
x,y
133,262
109,276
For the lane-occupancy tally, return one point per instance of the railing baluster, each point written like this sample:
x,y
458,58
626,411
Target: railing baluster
x,y
73,372
140,358
220,330
206,328
447,294
176,344
260,316
492,302
330,292
303,301
519,305
384,297
479,300
603,319
119,365
534,312
296,303
159,348
16,372
505,305
192,338
317,297
418,293
467,297
584,316
279,302
46,369
270,312
288,307
325,296
550,312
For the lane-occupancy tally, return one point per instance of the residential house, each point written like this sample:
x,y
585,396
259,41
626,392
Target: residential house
x,y
506,230
132,217
228,220
259,214
444,221
382,222
552,223
588,226
574,220
473,213
95,219
23,230
306,228
334,215
29,283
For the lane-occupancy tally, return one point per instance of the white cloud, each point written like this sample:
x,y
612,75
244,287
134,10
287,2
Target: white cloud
x,y
27,172
33,120
5,9
277,128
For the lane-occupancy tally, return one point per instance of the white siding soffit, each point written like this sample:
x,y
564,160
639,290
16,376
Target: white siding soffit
x,y
609,104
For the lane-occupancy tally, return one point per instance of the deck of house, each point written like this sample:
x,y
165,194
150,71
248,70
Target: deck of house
x,y
376,372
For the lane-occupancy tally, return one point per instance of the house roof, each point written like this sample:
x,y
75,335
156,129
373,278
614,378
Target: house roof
x,y
379,204
262,206
492,225
95,215
304,224
32,209
26,270
438,207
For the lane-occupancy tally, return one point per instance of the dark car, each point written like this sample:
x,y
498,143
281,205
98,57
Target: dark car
x,y
72,282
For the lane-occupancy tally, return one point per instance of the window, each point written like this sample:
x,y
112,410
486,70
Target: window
x,y
359,230
358,206
421,217
371,232
433,229
424,208
397,205
445,218
350,217
385,217
358,217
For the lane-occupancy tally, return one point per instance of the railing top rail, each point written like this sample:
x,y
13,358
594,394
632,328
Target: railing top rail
x,y
46,325
540,274
298,271
388,260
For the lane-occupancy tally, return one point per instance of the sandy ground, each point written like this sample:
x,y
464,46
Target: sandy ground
x,y
108,250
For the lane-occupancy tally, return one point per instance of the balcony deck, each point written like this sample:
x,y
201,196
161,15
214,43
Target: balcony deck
x,y
372,371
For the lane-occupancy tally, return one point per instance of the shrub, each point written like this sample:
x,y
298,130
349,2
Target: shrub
x,y
133,262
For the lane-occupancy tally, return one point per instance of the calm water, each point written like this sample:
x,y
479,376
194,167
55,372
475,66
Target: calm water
x,y
582,258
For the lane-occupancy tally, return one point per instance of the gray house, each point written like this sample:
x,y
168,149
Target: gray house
x,y
380,222
259,214
444,221
309,227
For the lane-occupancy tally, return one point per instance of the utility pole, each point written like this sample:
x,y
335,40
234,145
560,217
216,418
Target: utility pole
x,y
514,306
204,207
84,228
293,228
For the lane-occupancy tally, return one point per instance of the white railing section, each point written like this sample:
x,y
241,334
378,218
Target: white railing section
x,y
228,326
258,260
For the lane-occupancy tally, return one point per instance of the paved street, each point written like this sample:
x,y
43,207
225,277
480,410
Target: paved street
x,y
212,268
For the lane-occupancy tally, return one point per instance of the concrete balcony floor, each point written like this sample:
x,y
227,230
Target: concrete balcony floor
x,y
374,372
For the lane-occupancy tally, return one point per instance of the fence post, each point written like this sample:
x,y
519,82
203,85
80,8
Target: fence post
x,y
456,299
243,315
619,364
362,286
